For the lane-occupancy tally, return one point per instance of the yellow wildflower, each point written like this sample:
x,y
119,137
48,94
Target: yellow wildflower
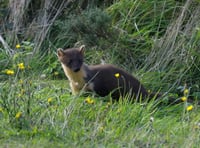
x,y
89,100
49,100
18,46
1,109
117,75
184,98
21,66
18,115
190,107
186,92
10,72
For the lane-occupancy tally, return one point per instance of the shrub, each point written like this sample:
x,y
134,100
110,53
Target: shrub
x,y
89,27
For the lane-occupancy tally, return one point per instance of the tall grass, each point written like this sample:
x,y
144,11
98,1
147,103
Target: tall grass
x,y
176,51
30,20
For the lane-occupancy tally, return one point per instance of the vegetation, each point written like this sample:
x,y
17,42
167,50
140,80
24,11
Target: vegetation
x,y
157,41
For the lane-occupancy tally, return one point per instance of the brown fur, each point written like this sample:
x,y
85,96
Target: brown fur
x,y
98,78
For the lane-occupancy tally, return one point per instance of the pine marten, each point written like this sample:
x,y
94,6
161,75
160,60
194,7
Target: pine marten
x,y
102,79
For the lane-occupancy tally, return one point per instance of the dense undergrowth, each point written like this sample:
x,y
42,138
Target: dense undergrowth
x,y
157,41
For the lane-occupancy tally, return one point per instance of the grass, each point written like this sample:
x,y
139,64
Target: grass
x,y
158,40
49,116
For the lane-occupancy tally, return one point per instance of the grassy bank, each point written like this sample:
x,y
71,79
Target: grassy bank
x,y
42,112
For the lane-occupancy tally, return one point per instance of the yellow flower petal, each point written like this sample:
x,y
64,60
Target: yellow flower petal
x,y
186,92
10,72
21,66
49,100
117,75
18,115
89,100
190,107
18,46
184,99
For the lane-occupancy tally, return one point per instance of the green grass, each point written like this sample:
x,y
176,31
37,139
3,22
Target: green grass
x,y
69,121
157,41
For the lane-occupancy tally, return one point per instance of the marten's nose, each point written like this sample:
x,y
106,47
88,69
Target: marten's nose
x,y
76,70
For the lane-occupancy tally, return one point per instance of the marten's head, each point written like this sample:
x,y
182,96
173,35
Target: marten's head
x,y
72,57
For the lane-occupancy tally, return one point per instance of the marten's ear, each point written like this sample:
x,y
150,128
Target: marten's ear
x,y
60,52
82,49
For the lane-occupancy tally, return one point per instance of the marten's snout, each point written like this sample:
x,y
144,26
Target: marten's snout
x,y
76,70
75,66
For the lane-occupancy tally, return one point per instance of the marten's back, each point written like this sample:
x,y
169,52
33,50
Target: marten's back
x,y
110,79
